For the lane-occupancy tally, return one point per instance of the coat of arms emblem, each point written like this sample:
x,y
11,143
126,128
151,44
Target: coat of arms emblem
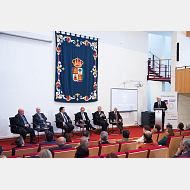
x,y
77,71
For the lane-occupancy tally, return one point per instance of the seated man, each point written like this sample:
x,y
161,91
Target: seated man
x,y
82,117
82,151
100,119
169,126
19,143
86,134
180,126
40,119
148,142
141,139
64,120
125,135
184,148
23,126
115,116
61,145
83,142
156,129
104,137
188,126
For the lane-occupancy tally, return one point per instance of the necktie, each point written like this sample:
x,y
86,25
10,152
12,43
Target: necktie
x,y
65,118
116,116
83,117
42,118
25,122
159,104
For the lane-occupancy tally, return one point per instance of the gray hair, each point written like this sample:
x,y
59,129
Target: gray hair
x,y
61,144
186,143
188,125
104,135
84,141
45,153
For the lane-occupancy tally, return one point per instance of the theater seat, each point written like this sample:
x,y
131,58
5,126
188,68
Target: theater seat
x,y
126,146
119,154
31,154
7,152
18,156
67,153
186,136
173,144
92,157
93,150
108,148
158,152
176,133
47,146
161,136
154,136
138,153
73,144
183,157
93,142
25,150
185,132
111,140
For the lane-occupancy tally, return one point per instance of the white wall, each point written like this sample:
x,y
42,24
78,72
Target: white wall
x,y
28,73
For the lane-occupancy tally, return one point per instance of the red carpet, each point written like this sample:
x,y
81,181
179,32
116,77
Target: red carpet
x,y
134,132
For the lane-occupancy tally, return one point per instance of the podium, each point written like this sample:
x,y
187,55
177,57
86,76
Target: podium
x,y
159,116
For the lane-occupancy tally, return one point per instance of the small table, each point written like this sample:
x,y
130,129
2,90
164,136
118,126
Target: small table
x,y
114,132
81,126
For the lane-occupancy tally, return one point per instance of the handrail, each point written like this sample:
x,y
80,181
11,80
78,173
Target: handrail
x,y
182,67
158,60
153,54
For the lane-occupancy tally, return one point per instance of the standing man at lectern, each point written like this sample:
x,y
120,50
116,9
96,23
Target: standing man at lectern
x,y
161,104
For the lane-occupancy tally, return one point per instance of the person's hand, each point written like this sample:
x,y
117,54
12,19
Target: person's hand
x,y
102,115
78,145
63,123
81,120
120,120
114,120
27,125
70,120
178,151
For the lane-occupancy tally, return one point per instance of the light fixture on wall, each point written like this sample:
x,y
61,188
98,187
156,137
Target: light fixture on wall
x,y
137,84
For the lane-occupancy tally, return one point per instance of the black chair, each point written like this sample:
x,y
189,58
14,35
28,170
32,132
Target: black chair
x,y
37,128
98,131
59,125
112,131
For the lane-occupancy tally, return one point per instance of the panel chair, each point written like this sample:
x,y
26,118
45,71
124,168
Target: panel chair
x,y
30,154
99,129
161,136
138,153
112,131
119,154
93,142
173,143
107,148
158,152
185,132
7,152
126,146
154,136
93,150
18,156
66,153
25,150
47,146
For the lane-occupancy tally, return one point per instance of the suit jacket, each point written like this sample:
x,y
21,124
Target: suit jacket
x,y
112,116
182,155
19,121
148,145
37,120
163,141
59,148
60,118
163,105
13,149
79,117
97,117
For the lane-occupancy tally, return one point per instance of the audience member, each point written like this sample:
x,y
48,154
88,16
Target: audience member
x,y
125,135
184,148
141,139
61,145
112,155
148,142
188,126
20,143
86,134
83,142
68,137
45,154
1,153
180,126
82,151
169,132
156,129
104,137
169,126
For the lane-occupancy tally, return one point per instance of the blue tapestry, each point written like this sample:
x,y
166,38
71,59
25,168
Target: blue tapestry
x,y
76,68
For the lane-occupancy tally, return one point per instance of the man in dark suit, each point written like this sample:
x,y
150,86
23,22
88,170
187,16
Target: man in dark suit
x,y
82,117
23,126
161,104
40,120
100,119
61,145
184,148
64,120
19,141
114,116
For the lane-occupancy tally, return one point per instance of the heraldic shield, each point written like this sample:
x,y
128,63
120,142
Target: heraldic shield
x,y
76,70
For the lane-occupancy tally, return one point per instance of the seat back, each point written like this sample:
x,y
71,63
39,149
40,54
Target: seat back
x,y
92,157
67,153
73,144
12,125
154,136
18,156
119,155
138,153
176,133
111,140
161,136
93,150
126,146
93,142
186,136
25,150
7,152
185,132
47,146
173,144
158,152
31,154
108,148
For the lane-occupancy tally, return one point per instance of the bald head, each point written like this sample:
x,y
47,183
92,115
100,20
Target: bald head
x,y
115,109
21,111
61,141
147,135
